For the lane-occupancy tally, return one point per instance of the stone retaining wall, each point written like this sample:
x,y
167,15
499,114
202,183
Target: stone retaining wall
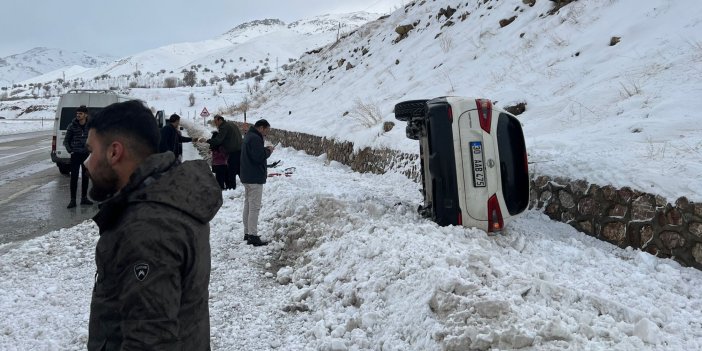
x,y
623,217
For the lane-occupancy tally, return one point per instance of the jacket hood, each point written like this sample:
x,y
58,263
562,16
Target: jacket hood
x,y
188,187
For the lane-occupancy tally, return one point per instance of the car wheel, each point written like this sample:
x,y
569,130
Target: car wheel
x,y
406,110
64,168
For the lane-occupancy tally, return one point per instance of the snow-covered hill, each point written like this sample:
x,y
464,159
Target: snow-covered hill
x,y
249,46
37,61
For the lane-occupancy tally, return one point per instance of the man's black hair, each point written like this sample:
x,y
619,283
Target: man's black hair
x,y
131,120
173,118
262,123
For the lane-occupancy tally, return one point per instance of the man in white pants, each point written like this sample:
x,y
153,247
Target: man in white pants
x,y
254,156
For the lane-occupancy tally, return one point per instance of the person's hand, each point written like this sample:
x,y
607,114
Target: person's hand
x,y
270,147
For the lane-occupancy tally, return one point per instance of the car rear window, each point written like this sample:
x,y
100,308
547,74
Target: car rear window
x,y
515,174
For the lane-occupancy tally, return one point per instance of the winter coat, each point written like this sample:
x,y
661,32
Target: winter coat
x,y
172,140
253,158
219,157
153,259
229,136
76,136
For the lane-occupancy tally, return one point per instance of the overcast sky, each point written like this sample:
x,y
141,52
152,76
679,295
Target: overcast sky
x,y
129,26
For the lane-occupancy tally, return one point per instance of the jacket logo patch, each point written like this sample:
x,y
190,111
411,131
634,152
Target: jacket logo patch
x,y
141,270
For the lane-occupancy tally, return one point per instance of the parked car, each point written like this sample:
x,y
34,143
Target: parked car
x,y
95,100
473,161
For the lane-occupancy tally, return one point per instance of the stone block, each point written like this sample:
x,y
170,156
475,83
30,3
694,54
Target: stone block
x,y
579,187
642,208
697,252
696,229
625,194
545,196
566,199
674,217
587,206
615,232
646,234
618,211
609,193
672,240
586,226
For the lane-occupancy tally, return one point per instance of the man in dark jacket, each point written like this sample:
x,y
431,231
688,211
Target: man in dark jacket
x,y
229,137
171,138
253,175
76,134
153,254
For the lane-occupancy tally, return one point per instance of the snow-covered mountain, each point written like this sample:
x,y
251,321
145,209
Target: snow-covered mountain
x,y
249,46
37,61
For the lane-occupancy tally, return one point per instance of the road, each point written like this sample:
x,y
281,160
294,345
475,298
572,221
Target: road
x,y
33,194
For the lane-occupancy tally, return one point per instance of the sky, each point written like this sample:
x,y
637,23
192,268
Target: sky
x,y
133,26
363,268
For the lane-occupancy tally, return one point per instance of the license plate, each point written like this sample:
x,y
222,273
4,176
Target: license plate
x,y
476,156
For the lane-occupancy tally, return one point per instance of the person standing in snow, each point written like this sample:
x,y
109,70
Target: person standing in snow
x,y
253,175
153,255
76,134
219,163
171,138
229,137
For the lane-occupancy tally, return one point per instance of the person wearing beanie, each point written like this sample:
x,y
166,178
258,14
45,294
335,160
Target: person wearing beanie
x,y
76,135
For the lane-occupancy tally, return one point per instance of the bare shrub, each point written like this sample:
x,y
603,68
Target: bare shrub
x,y
446,43
190,78
630,87
367,114
191,99
170,82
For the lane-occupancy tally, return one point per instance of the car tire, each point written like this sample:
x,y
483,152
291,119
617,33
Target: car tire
x,y
407,110
64,168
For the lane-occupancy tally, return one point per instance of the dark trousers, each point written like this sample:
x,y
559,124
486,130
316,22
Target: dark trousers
x,y
221,174
234,164
76,165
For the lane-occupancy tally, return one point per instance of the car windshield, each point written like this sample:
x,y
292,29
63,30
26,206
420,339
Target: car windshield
x,y
69,113
515,174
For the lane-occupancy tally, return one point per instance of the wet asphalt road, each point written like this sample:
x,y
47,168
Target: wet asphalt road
x,y
33,194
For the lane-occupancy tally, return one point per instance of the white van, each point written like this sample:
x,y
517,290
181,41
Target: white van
x,y
95,100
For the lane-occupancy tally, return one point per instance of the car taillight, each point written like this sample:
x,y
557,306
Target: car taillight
x,y
460,217
53,143
495,222
450,114
484,113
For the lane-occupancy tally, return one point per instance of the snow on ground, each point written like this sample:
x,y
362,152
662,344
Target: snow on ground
x,y
362,271
8,126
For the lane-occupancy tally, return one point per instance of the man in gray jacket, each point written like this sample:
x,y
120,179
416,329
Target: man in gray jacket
x,y
253,175
153,254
